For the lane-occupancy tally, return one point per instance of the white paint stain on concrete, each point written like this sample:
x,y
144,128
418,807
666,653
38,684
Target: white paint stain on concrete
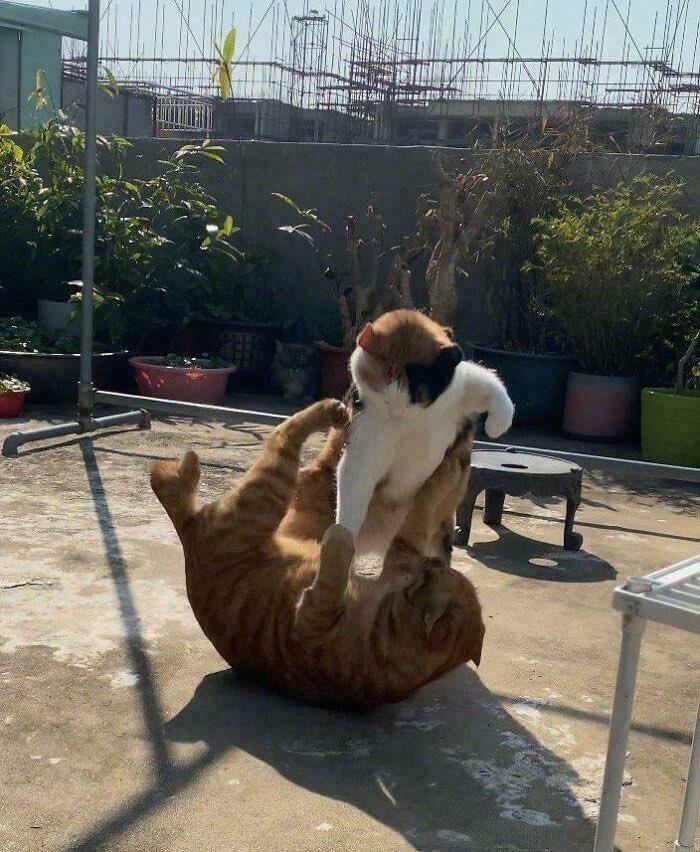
x,y
78,616
123,679
456,837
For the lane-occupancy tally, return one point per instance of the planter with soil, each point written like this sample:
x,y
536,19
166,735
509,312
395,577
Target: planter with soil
x,y
13,393
603,408
335,370
536,383
191,380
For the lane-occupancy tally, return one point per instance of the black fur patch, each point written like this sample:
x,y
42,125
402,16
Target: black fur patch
x,y
425,384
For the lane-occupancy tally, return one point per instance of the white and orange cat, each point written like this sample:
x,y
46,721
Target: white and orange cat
x,y
415,393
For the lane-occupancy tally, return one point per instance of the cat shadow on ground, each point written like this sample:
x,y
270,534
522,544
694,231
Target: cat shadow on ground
x,y
448,769
512,553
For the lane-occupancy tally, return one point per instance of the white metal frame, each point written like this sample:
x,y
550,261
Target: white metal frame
x,y
671,597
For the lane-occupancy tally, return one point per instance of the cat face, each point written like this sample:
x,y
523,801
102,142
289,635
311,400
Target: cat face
x,y
405,358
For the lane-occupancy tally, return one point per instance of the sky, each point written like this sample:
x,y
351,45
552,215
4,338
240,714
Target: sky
x,y
190,28
564,22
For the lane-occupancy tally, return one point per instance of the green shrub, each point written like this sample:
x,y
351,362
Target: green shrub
x,y
161,242
620,271
19,187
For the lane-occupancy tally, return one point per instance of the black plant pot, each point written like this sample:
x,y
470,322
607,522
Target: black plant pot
x,y
535,383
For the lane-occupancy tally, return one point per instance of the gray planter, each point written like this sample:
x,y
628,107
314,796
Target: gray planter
x,y
54,378
55,316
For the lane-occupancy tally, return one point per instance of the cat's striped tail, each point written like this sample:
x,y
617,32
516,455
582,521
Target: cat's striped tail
x,y
175,485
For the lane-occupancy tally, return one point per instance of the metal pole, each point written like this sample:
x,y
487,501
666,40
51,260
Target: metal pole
x,y
86,421
691,804
85,391
15,439
190,409
632,629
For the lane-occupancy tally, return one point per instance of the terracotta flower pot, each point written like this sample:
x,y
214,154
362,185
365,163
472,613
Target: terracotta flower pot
x,y
335,370
12,403
206,386
601,407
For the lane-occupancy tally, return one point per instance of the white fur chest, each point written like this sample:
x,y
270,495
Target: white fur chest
x,y
418,451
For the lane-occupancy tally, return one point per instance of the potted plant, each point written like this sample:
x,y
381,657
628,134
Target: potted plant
x,y
238,317
361,288
50,361
13,392
526,176
671,416
201,380
615,268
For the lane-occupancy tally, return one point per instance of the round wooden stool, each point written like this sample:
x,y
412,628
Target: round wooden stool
x,y
517,474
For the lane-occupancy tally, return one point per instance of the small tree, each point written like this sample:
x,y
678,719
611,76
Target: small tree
x,y
361,288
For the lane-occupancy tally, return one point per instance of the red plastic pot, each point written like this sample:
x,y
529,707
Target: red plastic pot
x,y
335,370
206,386
601,407
12,403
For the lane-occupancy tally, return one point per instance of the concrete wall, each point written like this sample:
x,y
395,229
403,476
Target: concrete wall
x,y
9,77
343,179
124,114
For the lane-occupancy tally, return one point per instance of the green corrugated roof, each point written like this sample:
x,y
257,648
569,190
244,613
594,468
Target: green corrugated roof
x,y
73,24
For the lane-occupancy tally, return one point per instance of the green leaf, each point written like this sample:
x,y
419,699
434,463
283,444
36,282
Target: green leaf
x,y
227,227
229,46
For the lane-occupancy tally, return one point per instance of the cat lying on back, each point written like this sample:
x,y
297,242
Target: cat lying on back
x,y
415,394
283,606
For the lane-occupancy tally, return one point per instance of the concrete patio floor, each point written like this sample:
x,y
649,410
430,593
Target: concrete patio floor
x,y
122,729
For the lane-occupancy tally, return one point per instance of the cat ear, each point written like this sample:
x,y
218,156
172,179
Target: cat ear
x,y
452,355
448,331
364,338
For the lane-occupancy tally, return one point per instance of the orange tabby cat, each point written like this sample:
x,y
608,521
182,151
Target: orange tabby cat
x,y
283,607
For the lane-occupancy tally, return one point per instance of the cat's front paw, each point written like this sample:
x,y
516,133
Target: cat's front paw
x,y
500,418
334,413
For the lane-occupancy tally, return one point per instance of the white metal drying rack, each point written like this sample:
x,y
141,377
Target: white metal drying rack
x,y
671,597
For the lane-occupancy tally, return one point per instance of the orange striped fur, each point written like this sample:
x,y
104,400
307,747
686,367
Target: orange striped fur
x,y
274,600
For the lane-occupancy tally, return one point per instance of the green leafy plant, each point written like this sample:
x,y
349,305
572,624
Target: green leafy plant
x,y
19,188
160,241
205,362
20,335
11,384
617,267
